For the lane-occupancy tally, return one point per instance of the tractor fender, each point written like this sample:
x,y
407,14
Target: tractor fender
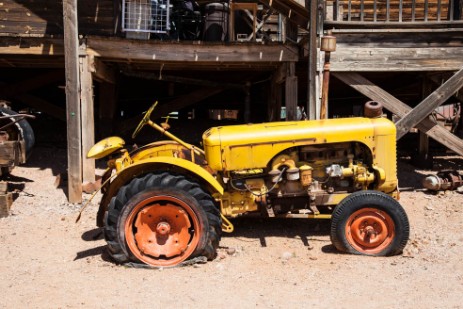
x,y
158,164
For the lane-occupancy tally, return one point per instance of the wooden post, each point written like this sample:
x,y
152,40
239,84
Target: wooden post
x,y
88,121
74,148
312,61
291,92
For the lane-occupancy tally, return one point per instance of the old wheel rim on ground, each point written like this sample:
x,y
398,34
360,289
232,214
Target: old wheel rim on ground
x,y
162,231
370,230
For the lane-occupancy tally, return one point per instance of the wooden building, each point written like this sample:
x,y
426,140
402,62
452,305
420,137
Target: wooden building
x,y
119,56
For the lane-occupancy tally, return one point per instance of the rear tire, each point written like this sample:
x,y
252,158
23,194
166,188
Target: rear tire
x,y
369,223
162,220
22,127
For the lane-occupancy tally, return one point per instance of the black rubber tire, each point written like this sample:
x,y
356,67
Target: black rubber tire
x,y
23,128
376,200
169,184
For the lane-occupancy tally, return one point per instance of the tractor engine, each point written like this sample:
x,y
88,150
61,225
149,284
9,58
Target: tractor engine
x,y
300,168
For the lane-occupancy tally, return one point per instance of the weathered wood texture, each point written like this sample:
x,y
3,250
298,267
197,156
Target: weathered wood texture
x,y
189,52
399,108
45,17
12,153
74,129
383,52
31,46
88,121
422,110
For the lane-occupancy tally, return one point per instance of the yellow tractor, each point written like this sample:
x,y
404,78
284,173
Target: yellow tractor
x,y
169,201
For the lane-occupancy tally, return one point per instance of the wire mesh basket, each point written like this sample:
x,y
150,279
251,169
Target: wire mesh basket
x,y
146,16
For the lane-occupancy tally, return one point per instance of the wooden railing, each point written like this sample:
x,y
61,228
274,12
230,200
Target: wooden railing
x,y
396,11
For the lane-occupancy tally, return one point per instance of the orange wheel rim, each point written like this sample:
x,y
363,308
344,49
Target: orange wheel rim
x,y
370,230
162,231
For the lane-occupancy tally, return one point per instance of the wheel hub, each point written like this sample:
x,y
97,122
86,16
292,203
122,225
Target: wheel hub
x,y
156,237
161,231
163,228
369,230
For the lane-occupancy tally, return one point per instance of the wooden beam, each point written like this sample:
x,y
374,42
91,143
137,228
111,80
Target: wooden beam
x,y
74,148
438,81
156,51
31,46
101,71
175,105
358,58
399,108
434,100
88,121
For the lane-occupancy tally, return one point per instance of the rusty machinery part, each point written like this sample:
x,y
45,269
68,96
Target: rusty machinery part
x,y
444,180
17,127
373,109
162,220
369,223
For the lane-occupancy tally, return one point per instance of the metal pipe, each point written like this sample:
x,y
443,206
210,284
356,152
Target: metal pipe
x,y
328,45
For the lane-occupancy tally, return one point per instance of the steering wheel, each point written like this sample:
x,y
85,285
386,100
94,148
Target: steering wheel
x,y
145,120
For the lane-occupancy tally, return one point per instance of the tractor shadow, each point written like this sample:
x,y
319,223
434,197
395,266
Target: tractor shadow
x,y
262,228
93,235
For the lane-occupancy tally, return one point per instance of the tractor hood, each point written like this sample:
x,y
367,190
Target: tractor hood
x,y
254,145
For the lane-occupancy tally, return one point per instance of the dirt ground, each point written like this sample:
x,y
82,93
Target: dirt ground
x,y
49,261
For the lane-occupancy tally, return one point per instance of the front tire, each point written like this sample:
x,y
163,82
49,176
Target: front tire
x,y
162,220
369,223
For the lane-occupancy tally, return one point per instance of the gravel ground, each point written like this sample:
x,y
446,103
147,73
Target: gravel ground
x,y
49,261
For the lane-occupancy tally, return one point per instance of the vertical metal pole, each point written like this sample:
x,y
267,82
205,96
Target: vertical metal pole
x,y
328,45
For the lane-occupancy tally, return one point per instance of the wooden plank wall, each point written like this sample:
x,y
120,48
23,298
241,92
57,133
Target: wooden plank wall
x,y
45,17
413,51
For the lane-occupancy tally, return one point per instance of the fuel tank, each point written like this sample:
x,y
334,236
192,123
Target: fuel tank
x,y
249,146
